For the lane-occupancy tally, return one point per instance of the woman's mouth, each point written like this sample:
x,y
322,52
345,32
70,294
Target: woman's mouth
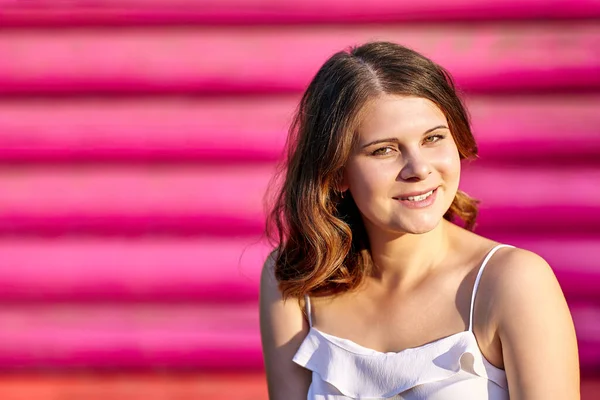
x,y
419,201
418,198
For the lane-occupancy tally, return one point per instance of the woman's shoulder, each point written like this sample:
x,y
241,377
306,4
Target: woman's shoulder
x,y
521,290
532,320
513,270
510,270
507,263
269,287
282,330
280,317
512,275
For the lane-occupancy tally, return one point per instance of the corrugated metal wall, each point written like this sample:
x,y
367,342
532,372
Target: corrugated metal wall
x,y
137,139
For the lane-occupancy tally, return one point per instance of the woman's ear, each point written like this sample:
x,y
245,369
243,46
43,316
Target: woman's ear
x,y
342,186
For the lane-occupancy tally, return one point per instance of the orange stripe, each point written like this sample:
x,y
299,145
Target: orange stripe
x,y
241,386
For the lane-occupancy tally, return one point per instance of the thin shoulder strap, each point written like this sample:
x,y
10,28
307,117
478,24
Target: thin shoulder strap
x,y
308,309
483,264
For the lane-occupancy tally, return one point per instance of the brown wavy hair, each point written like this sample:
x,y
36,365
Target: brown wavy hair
x,y
321,246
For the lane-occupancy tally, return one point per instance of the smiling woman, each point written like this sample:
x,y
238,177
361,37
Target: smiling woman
x,y
373,239
424,156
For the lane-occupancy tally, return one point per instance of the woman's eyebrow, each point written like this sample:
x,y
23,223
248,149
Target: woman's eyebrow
x,y
395,140
435,129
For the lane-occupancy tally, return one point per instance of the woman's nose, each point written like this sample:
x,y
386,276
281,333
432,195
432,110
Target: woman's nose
x,y
416,167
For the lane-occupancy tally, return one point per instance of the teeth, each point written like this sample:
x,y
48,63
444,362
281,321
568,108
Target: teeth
x,y
421,197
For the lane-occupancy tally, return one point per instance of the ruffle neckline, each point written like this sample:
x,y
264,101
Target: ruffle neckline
x,y
359,372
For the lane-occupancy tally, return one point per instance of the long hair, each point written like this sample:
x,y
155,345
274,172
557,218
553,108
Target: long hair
x,y
321,246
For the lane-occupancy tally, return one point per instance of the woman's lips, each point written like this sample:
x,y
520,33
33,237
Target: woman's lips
x,y
418,201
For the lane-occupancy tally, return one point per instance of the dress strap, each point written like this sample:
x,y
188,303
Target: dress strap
x,y
308,309
483,264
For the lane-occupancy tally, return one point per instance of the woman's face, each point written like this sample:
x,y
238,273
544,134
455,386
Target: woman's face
x,y
404,172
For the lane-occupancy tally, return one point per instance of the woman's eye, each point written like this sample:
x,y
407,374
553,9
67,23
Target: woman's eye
x,y
434,138
383,151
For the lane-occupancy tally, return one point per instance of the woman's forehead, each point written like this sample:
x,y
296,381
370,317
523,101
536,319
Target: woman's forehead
x,y
389,114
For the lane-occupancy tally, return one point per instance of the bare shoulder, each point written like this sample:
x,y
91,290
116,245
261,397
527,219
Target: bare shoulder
x,y
510,265
523,287
268,282
270,295
278,317
516,277
282,329
534,325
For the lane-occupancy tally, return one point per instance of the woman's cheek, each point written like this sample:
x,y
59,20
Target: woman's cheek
x,y
366,180
447,160
379,176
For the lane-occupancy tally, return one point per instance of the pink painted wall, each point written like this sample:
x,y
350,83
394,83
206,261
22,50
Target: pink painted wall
x,y
137,139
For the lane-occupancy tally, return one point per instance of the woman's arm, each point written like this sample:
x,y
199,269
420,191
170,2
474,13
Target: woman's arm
x,y
536,330
282,329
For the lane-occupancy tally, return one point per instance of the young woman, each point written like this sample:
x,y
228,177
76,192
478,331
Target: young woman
x,y
374,240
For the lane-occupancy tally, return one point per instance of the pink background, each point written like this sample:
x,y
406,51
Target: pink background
x,y
137,138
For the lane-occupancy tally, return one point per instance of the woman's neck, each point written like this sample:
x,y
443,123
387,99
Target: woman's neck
x,y
405,260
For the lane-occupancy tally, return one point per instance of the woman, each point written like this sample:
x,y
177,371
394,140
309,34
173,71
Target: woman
x,y
375,241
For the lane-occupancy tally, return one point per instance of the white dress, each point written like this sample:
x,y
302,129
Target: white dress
x,y
450,368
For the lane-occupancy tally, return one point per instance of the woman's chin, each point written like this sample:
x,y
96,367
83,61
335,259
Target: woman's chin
x,y
418,227
406,224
